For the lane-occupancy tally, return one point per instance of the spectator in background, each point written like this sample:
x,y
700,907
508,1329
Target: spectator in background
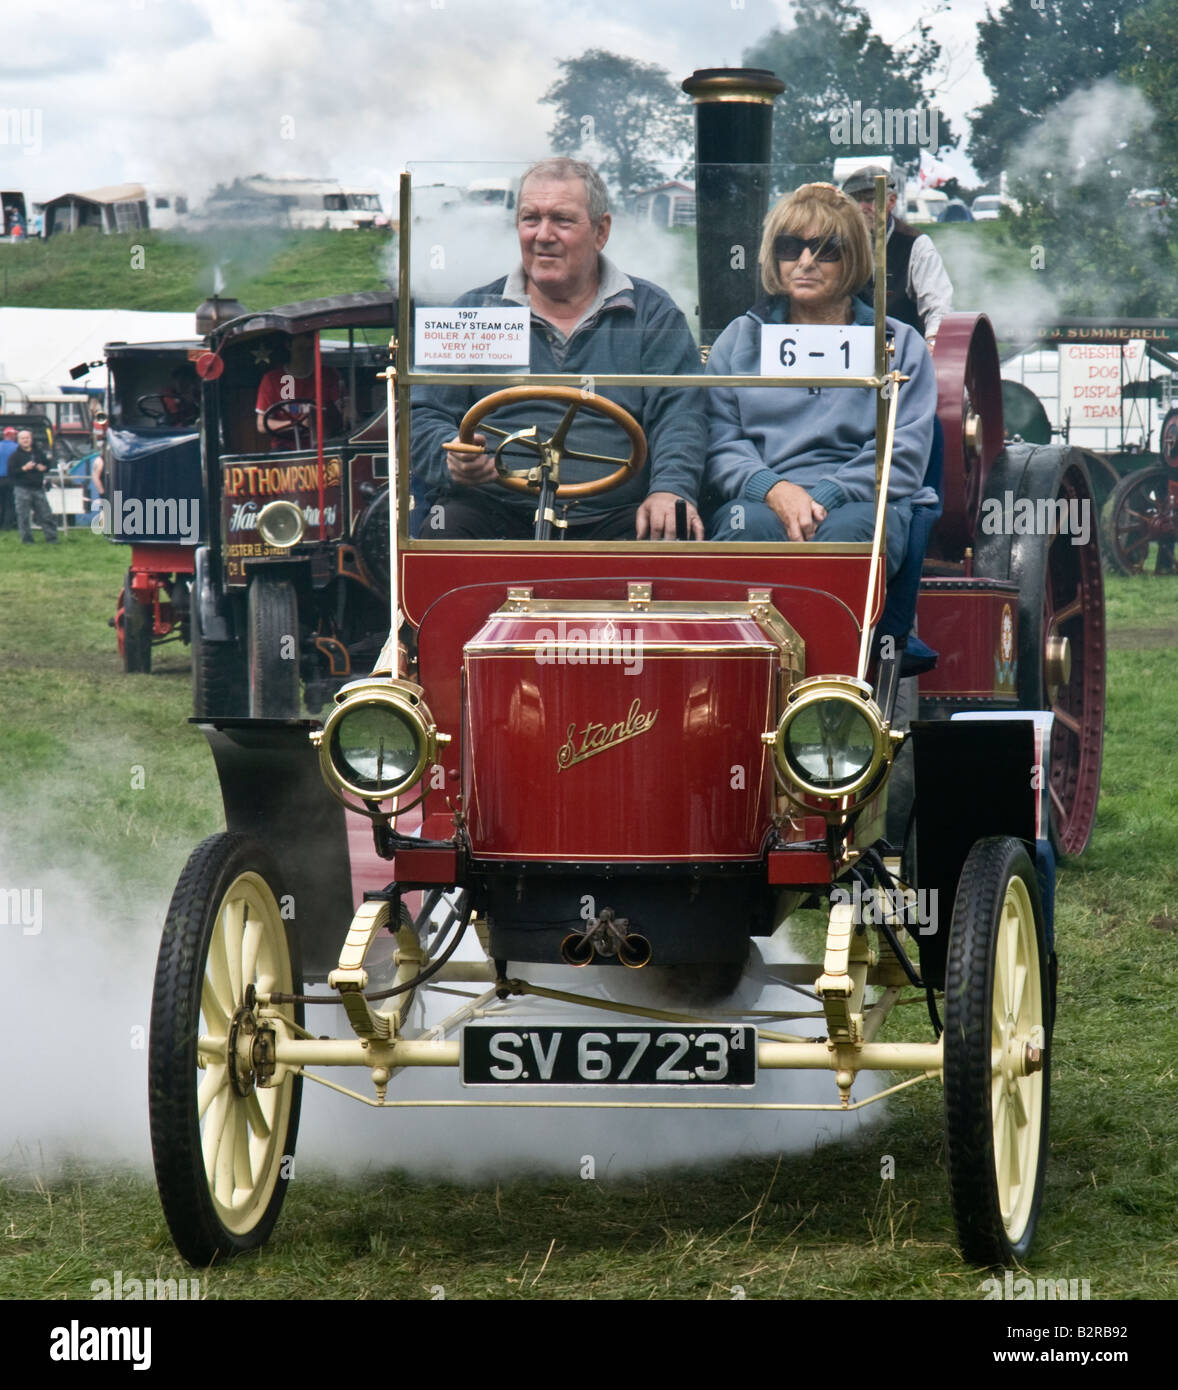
x,y
7,449
919,291
27,469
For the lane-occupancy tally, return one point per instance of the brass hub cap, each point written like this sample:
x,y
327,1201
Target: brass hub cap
x,y
1057,662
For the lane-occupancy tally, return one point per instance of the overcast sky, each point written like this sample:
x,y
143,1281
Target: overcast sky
x,y
185,93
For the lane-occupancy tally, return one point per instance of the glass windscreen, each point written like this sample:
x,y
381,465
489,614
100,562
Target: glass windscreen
x,y
511,286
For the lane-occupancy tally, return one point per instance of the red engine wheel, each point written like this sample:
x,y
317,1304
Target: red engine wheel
x,y
969,407
1138,517
1061,647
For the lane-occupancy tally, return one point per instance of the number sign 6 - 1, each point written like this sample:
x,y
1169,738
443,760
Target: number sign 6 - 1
x,y
808,349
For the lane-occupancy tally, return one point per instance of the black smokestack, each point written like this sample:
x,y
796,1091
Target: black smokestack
x,y
733,140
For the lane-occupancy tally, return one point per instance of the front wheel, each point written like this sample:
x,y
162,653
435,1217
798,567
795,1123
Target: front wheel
x,y
997,1053
224,1116
273,627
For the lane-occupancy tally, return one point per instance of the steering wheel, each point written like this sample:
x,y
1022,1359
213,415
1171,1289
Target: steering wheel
x,y
295,425
157,412
552,450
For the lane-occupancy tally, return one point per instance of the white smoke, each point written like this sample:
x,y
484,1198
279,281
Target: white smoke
x,y
1099,129
75,1005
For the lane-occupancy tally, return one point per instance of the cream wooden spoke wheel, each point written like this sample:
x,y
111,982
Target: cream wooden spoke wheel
x,y
224,1116
997,1053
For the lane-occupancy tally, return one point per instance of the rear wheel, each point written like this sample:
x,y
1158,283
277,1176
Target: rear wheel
x,y
1061,647
1139,524
997,1053
273,627
223,1117
137,621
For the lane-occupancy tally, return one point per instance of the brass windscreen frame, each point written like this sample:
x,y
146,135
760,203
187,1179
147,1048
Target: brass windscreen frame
x,y
407,379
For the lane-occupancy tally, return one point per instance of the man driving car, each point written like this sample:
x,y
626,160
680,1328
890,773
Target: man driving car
x,y
587,317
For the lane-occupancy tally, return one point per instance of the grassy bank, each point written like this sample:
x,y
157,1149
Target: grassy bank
x,y
822,1225
174,270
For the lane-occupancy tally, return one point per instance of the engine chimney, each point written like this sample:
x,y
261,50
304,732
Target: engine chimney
x,y
214,311
733,141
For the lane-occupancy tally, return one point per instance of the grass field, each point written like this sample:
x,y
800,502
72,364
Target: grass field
x,y
174,270
821,1225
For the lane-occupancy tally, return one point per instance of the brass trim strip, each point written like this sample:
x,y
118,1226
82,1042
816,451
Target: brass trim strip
x,y
834,550
750,98
696,379
734,650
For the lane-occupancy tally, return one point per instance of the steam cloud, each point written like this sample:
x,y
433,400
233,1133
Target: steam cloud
x,y
75,1000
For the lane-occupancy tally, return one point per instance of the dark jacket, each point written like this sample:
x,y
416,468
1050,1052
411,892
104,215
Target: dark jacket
x,y
34,477
638,331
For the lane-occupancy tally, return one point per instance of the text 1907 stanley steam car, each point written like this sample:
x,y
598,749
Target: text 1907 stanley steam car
x,y
514,777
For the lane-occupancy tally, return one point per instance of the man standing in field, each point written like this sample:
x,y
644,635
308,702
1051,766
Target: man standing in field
x,y
27,469
7,449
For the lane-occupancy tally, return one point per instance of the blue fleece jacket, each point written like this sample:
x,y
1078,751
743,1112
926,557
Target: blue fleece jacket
x,y
822,440
637,330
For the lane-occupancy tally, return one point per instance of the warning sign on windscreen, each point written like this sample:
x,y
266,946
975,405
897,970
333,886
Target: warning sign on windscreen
x,y
473,338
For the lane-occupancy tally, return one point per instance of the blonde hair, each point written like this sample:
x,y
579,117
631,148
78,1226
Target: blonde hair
x,y
818,209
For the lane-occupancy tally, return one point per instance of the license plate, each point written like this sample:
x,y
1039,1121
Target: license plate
x,y
635,1056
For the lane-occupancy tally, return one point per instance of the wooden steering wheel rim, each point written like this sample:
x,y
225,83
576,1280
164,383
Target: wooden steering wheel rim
x,y
570,395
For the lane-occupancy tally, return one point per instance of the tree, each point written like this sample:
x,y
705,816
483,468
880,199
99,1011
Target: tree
x,y
631,111
1035,53
832,65
1152,66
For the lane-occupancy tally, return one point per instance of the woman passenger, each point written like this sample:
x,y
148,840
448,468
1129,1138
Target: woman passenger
x,y
797,464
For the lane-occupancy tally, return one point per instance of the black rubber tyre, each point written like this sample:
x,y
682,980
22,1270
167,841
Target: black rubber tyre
x,y
223,1146
272,624
996,1005
218,676
137,625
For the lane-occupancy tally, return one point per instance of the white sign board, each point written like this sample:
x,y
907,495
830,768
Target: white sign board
x,y
817,349
482,337
1090,376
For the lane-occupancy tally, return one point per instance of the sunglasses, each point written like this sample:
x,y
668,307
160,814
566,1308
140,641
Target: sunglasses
x,y
790,248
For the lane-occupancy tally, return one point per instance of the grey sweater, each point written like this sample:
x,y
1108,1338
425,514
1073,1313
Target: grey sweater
x,y
822,440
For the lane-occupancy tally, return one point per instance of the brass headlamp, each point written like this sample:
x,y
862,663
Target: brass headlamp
x,y
831,741
377,742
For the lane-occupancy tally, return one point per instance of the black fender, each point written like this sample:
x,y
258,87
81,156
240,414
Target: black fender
x,y
211,605
272,789
973,778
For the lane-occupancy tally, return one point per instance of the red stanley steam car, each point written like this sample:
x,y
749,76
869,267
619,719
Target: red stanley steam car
x,y
509,766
